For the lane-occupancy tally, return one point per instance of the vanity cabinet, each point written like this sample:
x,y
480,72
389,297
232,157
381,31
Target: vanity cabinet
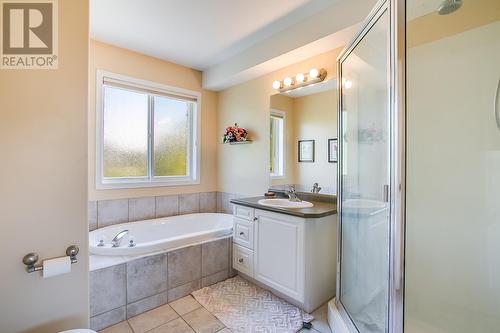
x,y
293,256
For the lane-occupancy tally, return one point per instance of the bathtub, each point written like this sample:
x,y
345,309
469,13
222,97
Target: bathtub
x,y
161,234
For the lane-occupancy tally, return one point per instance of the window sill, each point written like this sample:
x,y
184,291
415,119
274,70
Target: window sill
x,y
127,185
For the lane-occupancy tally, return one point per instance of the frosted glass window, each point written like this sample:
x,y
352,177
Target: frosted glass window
x,y
125,133
147,135
171,128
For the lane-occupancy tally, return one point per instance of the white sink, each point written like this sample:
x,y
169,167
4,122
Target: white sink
x,y
284,203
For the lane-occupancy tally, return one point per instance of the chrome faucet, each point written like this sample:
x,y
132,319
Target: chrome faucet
x,y
292,196
316,188
115,242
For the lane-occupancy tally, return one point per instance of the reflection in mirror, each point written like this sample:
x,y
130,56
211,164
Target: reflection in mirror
x,y
308,113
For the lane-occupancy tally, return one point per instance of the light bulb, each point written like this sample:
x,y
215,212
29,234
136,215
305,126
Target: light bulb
x,y
276,84
314,73
347,84
288,81
300,78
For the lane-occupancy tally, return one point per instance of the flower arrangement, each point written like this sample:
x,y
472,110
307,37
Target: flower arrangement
x,y
235,134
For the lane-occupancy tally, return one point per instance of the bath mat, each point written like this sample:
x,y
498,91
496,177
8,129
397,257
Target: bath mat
x,y
246,308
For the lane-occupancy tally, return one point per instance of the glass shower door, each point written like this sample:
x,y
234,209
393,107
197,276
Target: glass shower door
x,y
452,275
364,176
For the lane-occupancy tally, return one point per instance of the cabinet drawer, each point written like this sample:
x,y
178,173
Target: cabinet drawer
x,y
243,260
243,212
243,232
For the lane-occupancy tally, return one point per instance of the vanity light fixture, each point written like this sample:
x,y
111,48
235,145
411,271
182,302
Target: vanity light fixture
x,y
301,80
277,85
288,81
313,73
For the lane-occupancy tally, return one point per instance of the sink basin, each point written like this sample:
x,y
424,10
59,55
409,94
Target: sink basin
x,y
284,203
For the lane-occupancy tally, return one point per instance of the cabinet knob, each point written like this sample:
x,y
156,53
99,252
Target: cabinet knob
x,y
240,260
241,233
255,218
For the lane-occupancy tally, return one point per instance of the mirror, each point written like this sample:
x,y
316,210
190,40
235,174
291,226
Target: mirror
x,y
303,128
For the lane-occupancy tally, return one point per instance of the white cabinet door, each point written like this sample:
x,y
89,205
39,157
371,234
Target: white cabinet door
x,y
279,254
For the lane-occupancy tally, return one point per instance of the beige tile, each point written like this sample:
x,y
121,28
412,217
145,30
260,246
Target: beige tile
x,y
203,321
184,290
152,319
167,205
111,212
320,322
184,265
208,202
141,208
175,326
225,330
108,319
107,289
92,215
189,203
214,278
122,327
185,305
214,256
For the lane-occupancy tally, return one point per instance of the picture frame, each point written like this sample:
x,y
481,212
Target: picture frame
x,y
306,151
333,151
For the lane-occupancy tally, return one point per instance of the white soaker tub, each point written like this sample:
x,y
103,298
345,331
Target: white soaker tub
x,y
161,234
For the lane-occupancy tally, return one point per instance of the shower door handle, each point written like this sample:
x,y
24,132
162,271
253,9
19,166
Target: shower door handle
x,y
496,104
386,193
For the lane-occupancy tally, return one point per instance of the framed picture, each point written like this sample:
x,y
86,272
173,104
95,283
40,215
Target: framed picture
x,y
306,150
332,151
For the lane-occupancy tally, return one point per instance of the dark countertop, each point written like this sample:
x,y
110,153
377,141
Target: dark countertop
x,y
320,209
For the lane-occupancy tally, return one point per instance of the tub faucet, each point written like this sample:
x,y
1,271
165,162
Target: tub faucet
x,y
316,188
292,196
115,242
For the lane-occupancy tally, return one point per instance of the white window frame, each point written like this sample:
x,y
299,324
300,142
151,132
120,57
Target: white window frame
x,y
154,89
282,115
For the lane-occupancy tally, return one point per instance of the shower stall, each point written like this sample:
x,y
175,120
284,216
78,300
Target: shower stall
x,y
419,170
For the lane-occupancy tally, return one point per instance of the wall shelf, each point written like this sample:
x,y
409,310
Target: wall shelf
x,y
240,142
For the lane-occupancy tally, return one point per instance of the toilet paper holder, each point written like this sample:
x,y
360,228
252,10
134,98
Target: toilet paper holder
x,y
31,259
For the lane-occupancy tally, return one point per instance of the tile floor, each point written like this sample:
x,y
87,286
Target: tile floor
x,y
186,315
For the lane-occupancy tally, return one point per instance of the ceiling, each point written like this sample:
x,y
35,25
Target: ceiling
x,y
195,33
231,41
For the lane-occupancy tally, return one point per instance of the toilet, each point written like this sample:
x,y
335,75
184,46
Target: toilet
x,y
79,330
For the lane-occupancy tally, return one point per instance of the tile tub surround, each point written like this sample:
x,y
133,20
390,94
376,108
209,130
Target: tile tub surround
x,y
108,212
131,286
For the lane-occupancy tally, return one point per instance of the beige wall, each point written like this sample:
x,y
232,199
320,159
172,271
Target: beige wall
x,y
121,61
316,119
43,196
433,26
244,169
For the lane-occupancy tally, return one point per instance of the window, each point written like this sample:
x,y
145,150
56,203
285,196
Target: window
x,y
277,158
147,133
